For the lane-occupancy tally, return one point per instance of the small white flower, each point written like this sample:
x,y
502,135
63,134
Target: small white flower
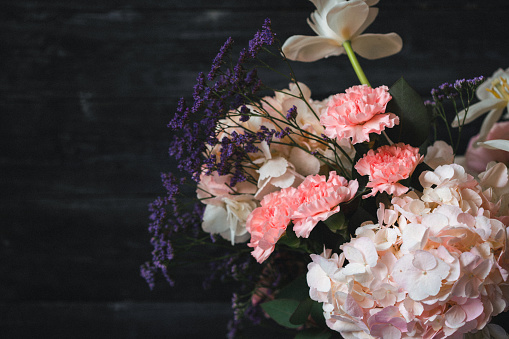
x,y
228,219
337,21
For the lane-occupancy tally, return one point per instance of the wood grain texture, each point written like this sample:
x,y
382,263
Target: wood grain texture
x,y
86,90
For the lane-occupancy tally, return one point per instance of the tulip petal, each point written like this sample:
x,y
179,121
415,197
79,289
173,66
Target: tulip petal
x,y
376,46
320,4
496,144
478,109
372,14
310,48
488,123
346,20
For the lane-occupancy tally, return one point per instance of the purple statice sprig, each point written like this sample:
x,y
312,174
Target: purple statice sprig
x,y
291,114
456,89
224,89
460,94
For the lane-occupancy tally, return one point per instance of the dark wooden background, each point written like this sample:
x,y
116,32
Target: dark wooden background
x,y
86,90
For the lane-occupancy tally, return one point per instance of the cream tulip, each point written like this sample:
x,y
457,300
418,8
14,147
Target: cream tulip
x,y
338,21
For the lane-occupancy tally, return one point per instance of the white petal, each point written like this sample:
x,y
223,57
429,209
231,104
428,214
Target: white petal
x,y
346,21
264,147
478,109
215,219
481,91
273,168
284,181
354,268
496,144
319,4
488,123
311,48
372,14
376,46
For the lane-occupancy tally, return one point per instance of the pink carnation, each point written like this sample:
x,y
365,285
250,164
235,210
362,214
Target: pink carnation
x,y
268,223
357,113
318,199
388,165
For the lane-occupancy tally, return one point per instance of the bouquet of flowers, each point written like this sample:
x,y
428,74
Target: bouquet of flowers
x,y
346,215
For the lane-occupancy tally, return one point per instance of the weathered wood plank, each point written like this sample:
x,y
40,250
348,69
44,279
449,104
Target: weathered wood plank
x,y
157,55
261,5
114,320
125,320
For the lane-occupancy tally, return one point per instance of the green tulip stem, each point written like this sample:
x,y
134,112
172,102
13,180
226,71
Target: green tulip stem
x,y
355,63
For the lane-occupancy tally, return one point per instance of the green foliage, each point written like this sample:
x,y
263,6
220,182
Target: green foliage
x,y
281,310
293,309
337,223
314,333
301,314
297,289
414,118
290,238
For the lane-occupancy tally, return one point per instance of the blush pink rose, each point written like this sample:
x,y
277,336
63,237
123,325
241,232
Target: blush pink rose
x,y
268,223
318,198
387,166
357,113
478,157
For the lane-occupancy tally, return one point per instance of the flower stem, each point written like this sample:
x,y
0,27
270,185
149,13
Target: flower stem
x,y
355,63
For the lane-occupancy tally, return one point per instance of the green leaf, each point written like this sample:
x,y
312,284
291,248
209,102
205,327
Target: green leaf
x,y
289,239
314,333
317,313
414,118
281,310
301,314
414,179
297,289
336,221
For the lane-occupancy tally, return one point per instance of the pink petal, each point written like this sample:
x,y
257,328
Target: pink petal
x,y
424,261
455,317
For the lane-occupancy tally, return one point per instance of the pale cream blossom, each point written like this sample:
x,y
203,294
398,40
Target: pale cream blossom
x,y
228,219
440,153
337,21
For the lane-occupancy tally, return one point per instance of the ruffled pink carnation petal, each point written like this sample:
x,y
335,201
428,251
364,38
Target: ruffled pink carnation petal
x,y
318,199
388,165
268,223
357,113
